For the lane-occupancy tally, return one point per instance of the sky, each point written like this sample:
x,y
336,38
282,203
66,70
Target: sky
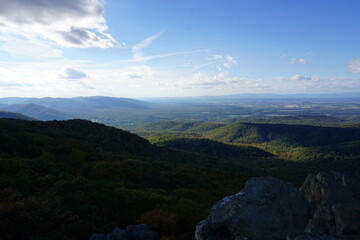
x,y
163,48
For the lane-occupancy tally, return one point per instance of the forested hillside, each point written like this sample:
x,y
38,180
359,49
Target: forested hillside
x,y
70,179
311,146
296,135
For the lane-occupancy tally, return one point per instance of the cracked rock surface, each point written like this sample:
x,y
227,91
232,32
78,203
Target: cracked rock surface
x,y
337,197
327,207
266,208
132,232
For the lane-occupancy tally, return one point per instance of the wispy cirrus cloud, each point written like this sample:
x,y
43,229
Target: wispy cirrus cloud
x,y
138,54
137,49
67,23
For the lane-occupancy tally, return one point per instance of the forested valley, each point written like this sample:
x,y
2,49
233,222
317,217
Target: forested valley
x,y
69,179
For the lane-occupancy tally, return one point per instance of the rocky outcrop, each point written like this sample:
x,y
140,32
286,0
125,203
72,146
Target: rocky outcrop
x,y
301,235
266,208
132,232
337,197
327,207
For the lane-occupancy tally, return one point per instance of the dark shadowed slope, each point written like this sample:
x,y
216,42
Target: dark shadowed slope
x,y
68,179
211,148
91,134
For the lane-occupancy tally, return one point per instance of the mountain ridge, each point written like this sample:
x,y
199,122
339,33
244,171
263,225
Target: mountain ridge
x,y
36,111
15,115
301,135
79,103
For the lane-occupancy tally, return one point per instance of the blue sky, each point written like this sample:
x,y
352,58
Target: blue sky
x,y
140,48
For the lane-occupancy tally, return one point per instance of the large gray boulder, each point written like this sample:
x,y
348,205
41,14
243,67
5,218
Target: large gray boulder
x,y
132,232
97,236
140,232
337,197
265,209
301,235
116,234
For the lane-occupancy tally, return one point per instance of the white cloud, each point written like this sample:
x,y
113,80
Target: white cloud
x,y
43,78
139,72
312,84
72,74
340,84
293,60
30,48
135,76
215,57
297,60
354,66
9,84
68,23
201,79
221,81
40,79
227,61
298,78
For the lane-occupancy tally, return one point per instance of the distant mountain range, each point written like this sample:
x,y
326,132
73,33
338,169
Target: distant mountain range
x,y
79,103
287,96
36,111
99,107
66,108
255,96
